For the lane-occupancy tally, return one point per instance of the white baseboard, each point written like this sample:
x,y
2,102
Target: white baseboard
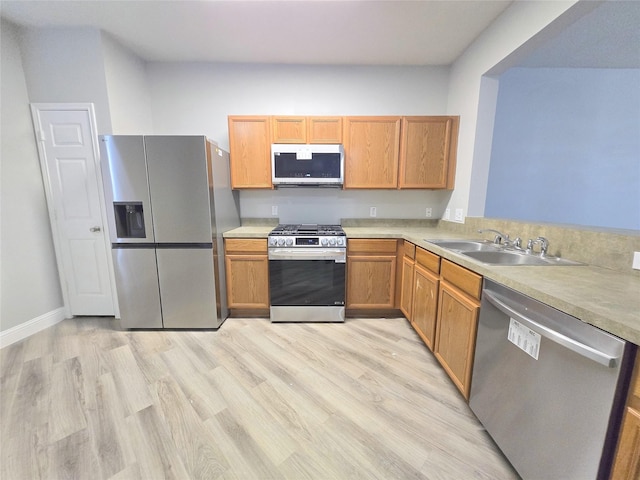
x,y
28,328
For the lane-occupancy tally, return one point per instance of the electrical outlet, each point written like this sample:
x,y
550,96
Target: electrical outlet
x,y
428,212
447,214
636,261
459,215
373,211
274,210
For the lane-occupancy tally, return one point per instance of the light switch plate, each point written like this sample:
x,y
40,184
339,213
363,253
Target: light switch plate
x,y
459,215
274,210
373,211
636,261
428,212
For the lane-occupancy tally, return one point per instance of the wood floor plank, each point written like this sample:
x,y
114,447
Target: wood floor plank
x,y
129,379
197,448
364,399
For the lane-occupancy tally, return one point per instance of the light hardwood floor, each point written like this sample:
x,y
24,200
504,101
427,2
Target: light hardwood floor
x,y
254,400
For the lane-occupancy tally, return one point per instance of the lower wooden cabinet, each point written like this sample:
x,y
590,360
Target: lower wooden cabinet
x,y
425,304
457,322
247,269
406,277
371,274
627,461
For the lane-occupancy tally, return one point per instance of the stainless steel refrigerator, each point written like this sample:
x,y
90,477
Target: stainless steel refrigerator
x,y
169,200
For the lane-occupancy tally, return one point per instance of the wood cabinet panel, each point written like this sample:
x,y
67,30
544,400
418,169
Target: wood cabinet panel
x,y
247,270
466,280
245,245
250,151
428,260
626,464
372,146
425,304
288,129
428,152
324,129
455,335
371,245
406,291
371,281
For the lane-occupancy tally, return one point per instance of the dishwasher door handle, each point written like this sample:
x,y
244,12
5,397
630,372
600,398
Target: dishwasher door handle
x,y
567,342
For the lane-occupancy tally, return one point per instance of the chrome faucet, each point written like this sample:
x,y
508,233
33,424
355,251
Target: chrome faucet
x,y
544,245
499,236
517,243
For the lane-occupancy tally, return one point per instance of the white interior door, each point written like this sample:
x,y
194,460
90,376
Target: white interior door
x,y
67,142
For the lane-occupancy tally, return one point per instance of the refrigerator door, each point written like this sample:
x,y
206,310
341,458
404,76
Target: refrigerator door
x,y
137,285
179,190
225,216
124,172
187,287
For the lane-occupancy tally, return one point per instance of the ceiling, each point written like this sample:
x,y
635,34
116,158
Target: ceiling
x,y
333,32
361,32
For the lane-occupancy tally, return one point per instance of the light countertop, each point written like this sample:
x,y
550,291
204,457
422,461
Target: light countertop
x,y
605,298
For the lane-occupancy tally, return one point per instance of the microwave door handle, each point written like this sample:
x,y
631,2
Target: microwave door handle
x,y
556,337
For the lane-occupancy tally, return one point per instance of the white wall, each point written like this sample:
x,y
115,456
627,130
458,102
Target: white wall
x,y
66,65
197,98
518,24
29,285
127,89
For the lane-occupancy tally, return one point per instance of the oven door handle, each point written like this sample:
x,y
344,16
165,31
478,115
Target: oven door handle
x,y
339,256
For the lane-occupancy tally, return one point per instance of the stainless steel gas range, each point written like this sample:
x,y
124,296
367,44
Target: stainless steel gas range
x,y
307,273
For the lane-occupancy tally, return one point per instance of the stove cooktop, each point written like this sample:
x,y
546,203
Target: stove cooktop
x,y
300,229
307,235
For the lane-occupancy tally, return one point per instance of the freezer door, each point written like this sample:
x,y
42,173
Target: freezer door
x,y
187,287
179,189
124,174
137,286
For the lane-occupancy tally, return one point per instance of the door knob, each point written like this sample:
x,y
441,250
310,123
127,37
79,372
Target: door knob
x,y
94,229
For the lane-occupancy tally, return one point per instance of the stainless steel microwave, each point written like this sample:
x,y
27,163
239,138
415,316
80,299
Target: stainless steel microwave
x,y
308,165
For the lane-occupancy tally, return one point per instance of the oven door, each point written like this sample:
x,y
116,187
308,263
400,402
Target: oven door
x,y
307,277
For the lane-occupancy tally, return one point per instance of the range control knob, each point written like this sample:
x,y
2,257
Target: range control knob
x,y
325,242
340,242
272,242
332,241
289,241
281,241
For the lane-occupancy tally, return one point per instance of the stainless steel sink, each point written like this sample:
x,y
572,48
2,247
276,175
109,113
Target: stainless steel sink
x,y
466,245
509,257
493,254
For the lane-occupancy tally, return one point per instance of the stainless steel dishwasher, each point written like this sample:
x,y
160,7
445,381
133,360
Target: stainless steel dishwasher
x,y
548,387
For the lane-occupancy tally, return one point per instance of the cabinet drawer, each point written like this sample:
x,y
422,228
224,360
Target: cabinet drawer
x,y
371,245
245,245
409,249
467,281
428,260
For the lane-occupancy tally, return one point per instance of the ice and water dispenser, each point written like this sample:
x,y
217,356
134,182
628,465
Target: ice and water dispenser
x,y
129,219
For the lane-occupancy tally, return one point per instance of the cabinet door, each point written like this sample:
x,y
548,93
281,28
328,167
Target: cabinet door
x,y
428,152
371,282
372,146
324,129
627,461
289,129
455,335
406,291
425,305
250,151
247,281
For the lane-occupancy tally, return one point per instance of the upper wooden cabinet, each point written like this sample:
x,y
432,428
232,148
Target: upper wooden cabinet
x,y
289,130
428,152
324,129
372,146
250,151
295,129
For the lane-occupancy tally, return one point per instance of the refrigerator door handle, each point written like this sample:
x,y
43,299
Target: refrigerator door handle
x,y
577,347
